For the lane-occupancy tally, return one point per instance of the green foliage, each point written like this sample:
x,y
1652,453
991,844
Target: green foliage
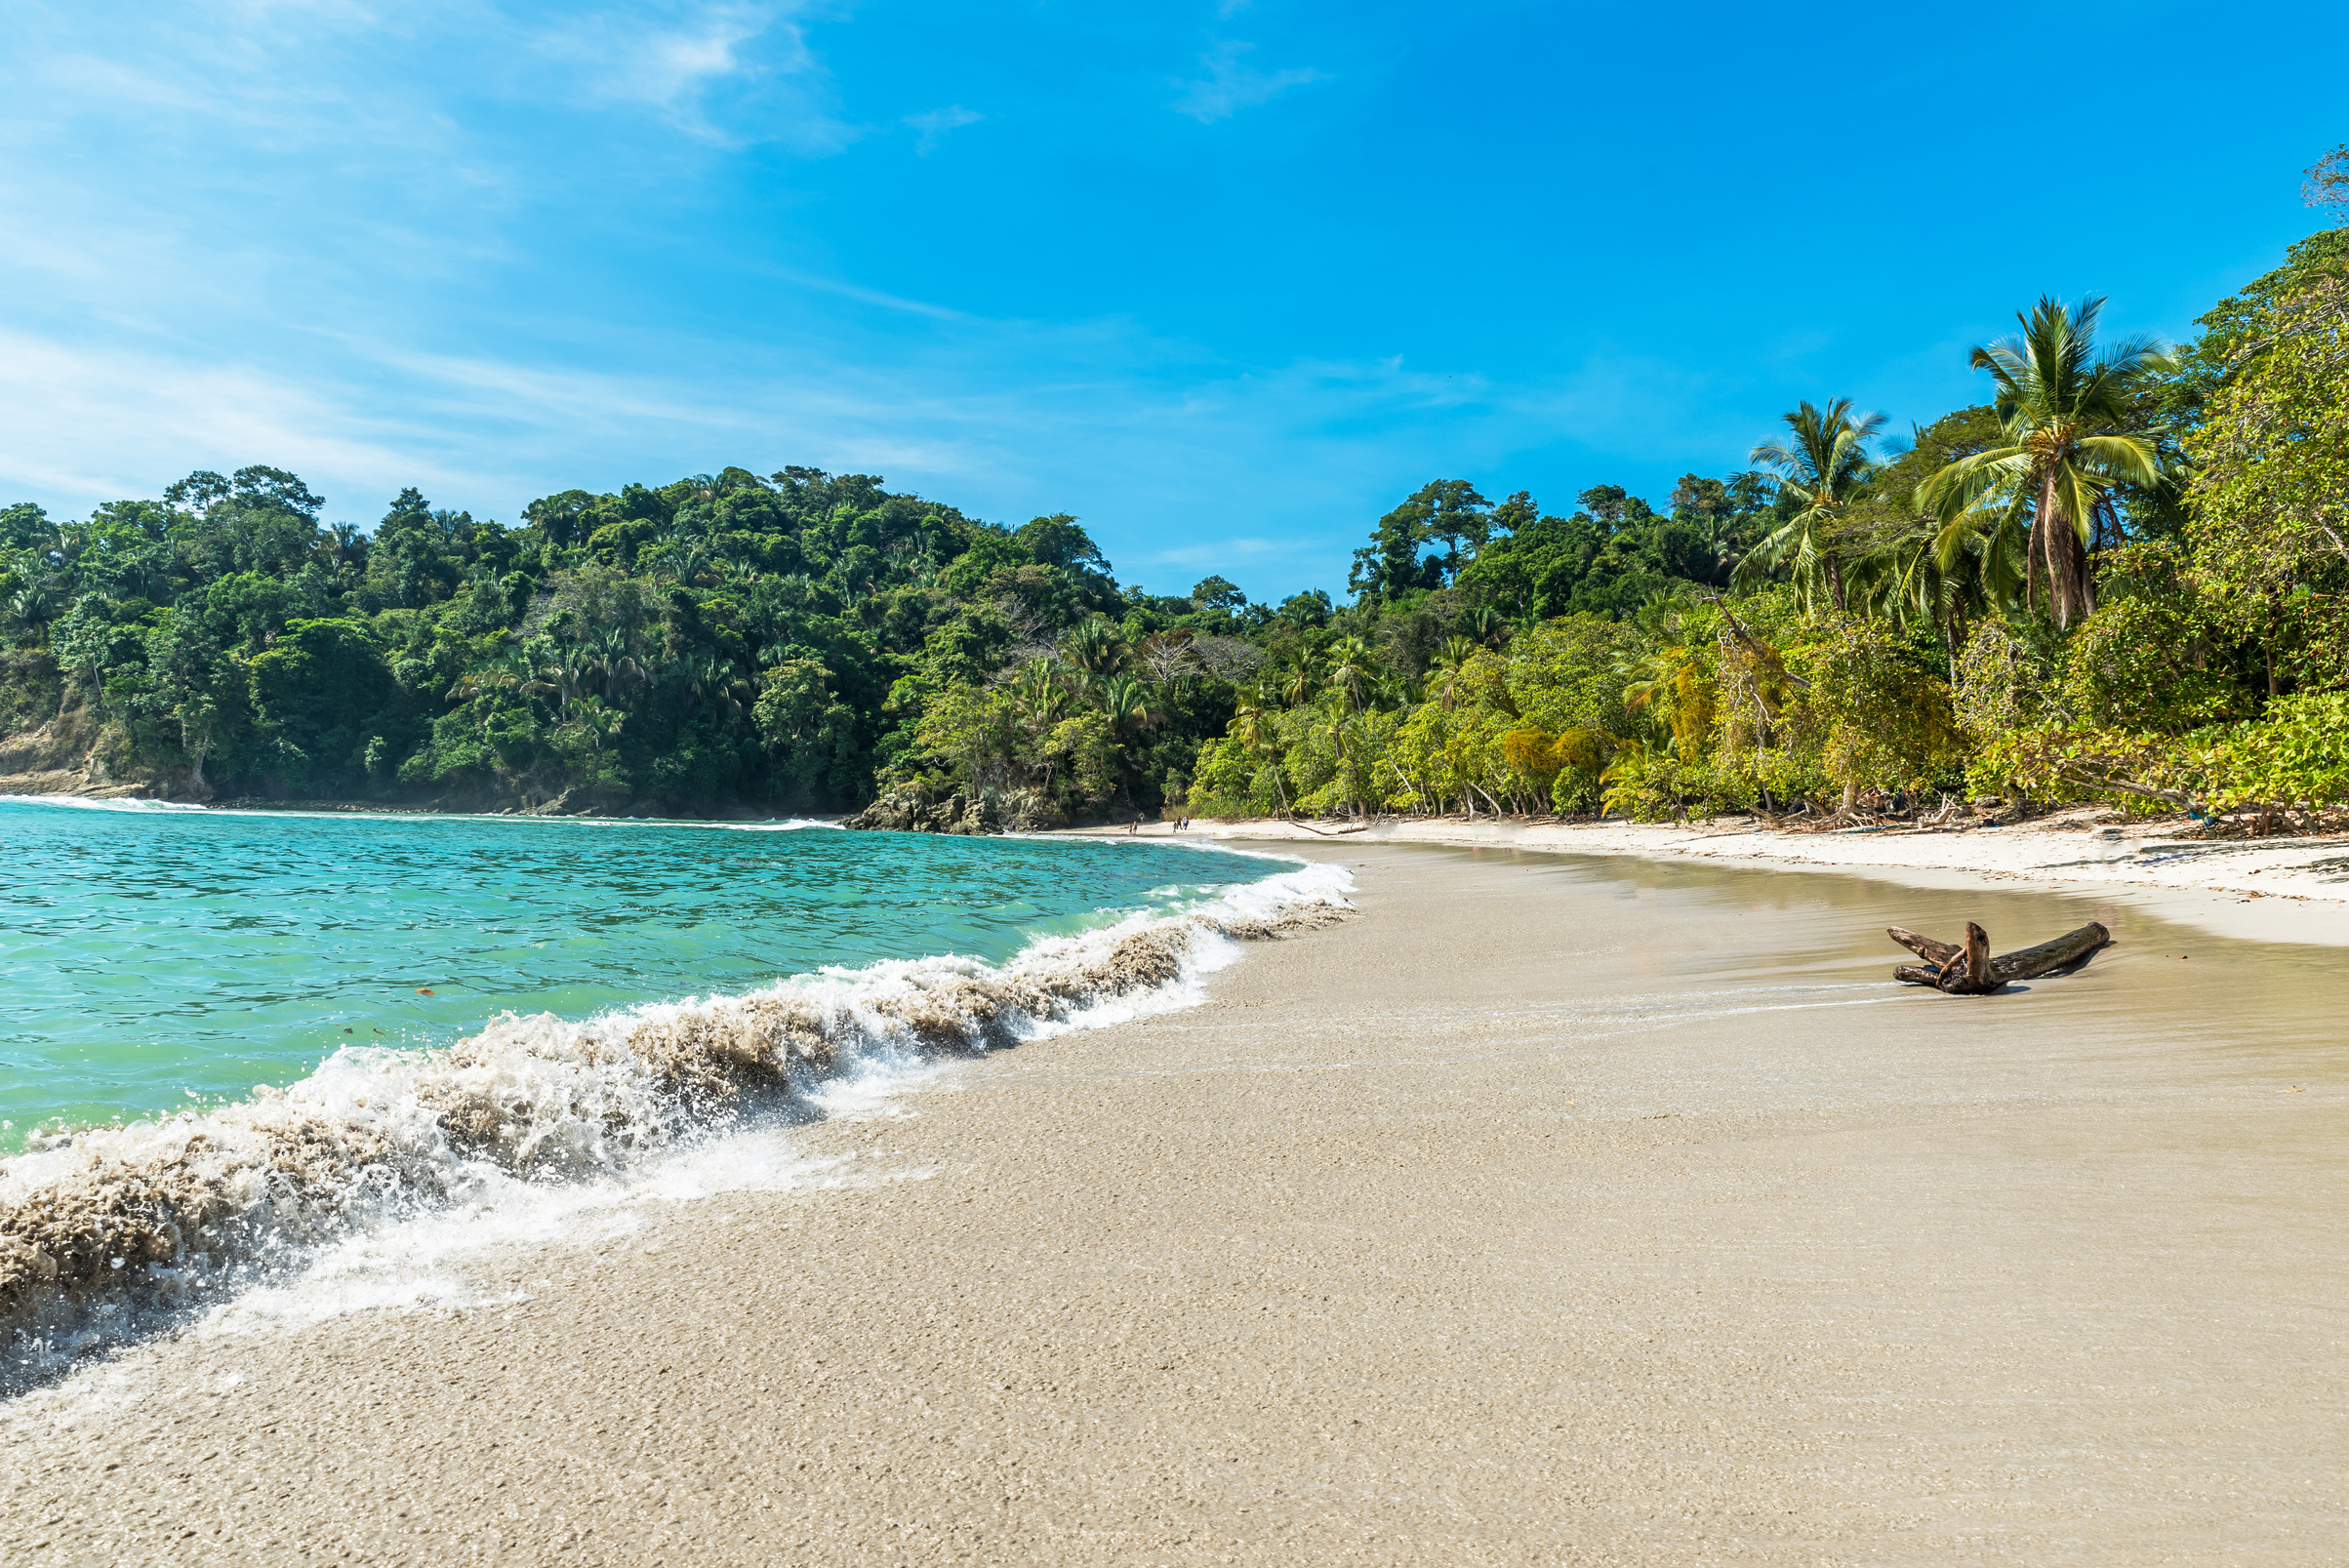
x,y
2006,680
1881,720
2144,665
729,637
1855,625
2296,755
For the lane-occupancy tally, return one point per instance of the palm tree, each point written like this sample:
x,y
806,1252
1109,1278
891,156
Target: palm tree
x,y
2074,432
615,665
1298,689
1485,625
1252,727
1906,579
1672,681
1449,664
1093,646
1129,705
596,719
1825,467
1041,689
706,675
35,605
1352,669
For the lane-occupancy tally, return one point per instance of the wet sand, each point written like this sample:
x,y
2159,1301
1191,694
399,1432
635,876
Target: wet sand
x,y
1553,1211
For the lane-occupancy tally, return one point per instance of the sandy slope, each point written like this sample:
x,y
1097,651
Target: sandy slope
x,y
1550,1212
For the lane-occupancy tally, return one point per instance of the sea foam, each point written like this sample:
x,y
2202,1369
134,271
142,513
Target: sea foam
x,y
109,1233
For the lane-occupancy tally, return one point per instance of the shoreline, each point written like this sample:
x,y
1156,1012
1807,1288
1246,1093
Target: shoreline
x,y
1548,1210
2271,890
2289,890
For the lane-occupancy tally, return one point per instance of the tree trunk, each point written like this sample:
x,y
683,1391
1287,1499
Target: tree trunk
x,y
2035,547
2071,594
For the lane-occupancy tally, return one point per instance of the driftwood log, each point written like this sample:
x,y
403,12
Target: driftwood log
x,y
1968,970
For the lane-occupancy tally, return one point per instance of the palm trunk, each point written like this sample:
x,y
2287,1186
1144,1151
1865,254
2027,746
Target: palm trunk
x,y
2069,592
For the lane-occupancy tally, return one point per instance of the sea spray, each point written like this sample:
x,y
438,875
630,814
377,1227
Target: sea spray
x,y
117,1228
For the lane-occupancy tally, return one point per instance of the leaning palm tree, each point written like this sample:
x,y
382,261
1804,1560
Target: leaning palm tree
x,y
1825,467
2074,432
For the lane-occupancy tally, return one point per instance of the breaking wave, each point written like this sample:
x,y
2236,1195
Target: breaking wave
x,y
110,1232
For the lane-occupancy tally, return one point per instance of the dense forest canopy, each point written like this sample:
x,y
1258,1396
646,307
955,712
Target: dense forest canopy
x,y
2121,577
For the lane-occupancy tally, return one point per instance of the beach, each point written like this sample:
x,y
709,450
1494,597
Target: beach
x,y
2153,863
1552,1209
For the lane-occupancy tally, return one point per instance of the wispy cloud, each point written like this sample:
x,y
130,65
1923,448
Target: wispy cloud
x,y
1232,83
934,125
1138,434
726,72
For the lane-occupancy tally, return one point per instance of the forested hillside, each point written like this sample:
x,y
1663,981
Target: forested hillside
x,y
2120,577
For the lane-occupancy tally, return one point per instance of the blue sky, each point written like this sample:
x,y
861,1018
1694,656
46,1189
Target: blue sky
x,y
1224,279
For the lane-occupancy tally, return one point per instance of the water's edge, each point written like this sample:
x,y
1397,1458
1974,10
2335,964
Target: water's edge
x,y
116,1232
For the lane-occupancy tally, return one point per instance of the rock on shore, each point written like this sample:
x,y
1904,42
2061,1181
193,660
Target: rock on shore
x,y
910,812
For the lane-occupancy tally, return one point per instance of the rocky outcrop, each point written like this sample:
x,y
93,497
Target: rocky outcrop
x,y
911,811
64,757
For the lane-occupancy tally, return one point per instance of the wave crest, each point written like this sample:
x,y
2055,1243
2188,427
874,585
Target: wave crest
x,y
109,1226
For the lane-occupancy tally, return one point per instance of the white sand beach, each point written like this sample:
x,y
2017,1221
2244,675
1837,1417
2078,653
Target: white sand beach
x,y
1553,1210
2223,884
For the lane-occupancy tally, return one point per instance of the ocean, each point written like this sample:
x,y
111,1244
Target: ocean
x,y
233,1039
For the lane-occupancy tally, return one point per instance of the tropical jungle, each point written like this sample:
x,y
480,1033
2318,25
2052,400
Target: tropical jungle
x,y
2122,577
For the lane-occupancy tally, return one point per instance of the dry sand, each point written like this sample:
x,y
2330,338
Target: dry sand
x,y
1551,1212
2090,849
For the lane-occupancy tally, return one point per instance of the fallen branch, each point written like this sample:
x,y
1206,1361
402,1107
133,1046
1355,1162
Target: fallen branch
x,y
1970,971
1330,832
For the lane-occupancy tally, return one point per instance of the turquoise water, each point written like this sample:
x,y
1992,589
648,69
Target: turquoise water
x,y
154,958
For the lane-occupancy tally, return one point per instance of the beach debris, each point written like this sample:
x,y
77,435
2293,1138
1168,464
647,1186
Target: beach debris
x,y
1969,970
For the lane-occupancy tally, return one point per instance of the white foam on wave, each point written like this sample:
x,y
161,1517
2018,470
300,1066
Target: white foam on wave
x,y
93,803
358,1186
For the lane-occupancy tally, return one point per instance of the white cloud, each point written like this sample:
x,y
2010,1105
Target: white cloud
x,y
1173,459
934,125
1232,83
730,73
